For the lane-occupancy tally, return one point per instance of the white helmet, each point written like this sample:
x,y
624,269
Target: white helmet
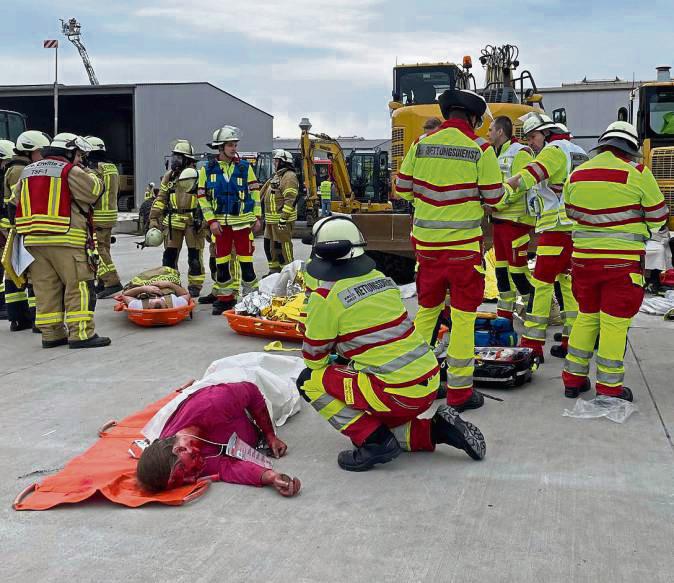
x,y
338,250
68,141
536,122
283,155
96,143
190,176
621,135
185,148
31,140
153,238
223,135
6,149
151,184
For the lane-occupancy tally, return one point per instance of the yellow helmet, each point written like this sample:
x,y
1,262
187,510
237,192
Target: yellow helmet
x,y
185,148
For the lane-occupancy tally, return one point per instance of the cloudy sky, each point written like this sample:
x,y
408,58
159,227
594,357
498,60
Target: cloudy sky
x,y
329,60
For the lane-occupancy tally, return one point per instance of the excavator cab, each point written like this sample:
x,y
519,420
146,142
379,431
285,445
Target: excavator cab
x,y
369,174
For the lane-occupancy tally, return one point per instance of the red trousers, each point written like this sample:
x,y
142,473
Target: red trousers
x,y
343,384
240,239
548,267
504,233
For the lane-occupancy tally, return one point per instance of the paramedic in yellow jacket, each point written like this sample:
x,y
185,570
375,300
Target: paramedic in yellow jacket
x,y
615,204
279,197
449,175
177,213
55,197
229,196
541,182
20,300
105,217
386,375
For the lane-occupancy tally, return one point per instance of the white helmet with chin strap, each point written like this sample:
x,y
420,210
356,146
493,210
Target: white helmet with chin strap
x,y
31,140
536,122
97,144
223,135
6,149
283,155
621,135
71,142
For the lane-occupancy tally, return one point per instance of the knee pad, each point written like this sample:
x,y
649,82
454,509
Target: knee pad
x,y
193,262
222,273
303,377
170,258
502,280
521,283
247,271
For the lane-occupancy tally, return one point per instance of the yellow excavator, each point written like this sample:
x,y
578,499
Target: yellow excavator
x,y
360,179
415,91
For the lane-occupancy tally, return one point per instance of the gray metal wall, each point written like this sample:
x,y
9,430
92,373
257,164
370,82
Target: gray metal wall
x,y
164,113
588,112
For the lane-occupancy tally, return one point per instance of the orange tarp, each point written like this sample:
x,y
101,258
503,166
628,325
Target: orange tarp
x,y
107,467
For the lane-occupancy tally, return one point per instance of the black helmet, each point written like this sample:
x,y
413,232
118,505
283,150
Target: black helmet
x,y
464,99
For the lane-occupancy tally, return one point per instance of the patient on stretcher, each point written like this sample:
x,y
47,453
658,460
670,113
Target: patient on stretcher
x,y
191,444
154,289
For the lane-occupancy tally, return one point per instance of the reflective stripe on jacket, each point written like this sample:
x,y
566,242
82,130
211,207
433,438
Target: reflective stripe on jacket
x,y
105,211
279,196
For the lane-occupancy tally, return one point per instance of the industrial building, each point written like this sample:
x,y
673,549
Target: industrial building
x,y
139,121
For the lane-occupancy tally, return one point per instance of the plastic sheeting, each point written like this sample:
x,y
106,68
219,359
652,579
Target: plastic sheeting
x,y
614,409
274,375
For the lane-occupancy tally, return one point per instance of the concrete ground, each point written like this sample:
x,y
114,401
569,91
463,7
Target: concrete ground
x,y
556,499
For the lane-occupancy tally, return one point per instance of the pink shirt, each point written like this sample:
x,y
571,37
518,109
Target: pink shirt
x,y
219,411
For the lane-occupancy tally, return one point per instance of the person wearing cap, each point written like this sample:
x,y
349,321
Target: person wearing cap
x,y
20,299
55,197
386,375
176,211
6,154
541,183
615,204
105,217
512,225
279,198
229,196
448,176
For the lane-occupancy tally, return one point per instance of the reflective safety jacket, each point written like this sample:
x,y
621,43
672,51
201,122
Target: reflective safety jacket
x,y
326,190
448,175
543,182
174,206
54,201
279,196
247,194
364,320
105,210
13,170
512,158
615,204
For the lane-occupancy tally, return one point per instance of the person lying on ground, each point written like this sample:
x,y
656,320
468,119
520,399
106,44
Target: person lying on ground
x,y
155,289
192,443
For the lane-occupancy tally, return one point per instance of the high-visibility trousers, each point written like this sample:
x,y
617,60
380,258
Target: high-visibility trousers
x,y
511,244
240,240
234,265
356,405
553,263
462,274
107,272
64,291
194,241
278,245
609,293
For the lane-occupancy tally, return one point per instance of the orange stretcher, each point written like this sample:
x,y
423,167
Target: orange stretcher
x,y
151,318
108,468
251,326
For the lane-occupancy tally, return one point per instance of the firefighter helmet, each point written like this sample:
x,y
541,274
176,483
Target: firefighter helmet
x,y
283,155
185,148
96,143
153,238
223,135
621,135
536,122
31,140
70,142
6,149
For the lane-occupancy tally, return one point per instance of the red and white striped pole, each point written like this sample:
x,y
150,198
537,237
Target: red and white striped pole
x,y
54,44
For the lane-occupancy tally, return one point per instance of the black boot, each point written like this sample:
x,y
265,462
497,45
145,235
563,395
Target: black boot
x,y
209,299
54,343
95,341
573,392
625,395
442,391
380,448
194,291
557,337
219,306
447,427
106,292
475,402
558,351
18,325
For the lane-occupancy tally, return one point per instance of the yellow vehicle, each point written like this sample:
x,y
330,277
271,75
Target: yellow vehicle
x,y
415,92
361,179
655,124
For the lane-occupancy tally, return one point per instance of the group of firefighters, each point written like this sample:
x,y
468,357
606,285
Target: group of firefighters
x,y
371,370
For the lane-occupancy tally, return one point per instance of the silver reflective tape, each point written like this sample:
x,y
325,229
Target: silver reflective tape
x,y
459,362
376,337
534,333
536,319
578,353
427,224
343,417
459,381
400,362
608,235
608,363
598,219
446,195
610,378
576,367
322,402
402,434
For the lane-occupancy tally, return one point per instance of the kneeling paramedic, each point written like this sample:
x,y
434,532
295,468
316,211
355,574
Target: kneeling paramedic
x,y
229,196
615,204
449,175
389,376
192,440
54,214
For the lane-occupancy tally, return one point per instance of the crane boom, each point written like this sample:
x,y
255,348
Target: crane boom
x,y
73,32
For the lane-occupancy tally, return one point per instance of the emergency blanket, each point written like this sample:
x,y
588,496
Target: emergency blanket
x,y
108,468
658,306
